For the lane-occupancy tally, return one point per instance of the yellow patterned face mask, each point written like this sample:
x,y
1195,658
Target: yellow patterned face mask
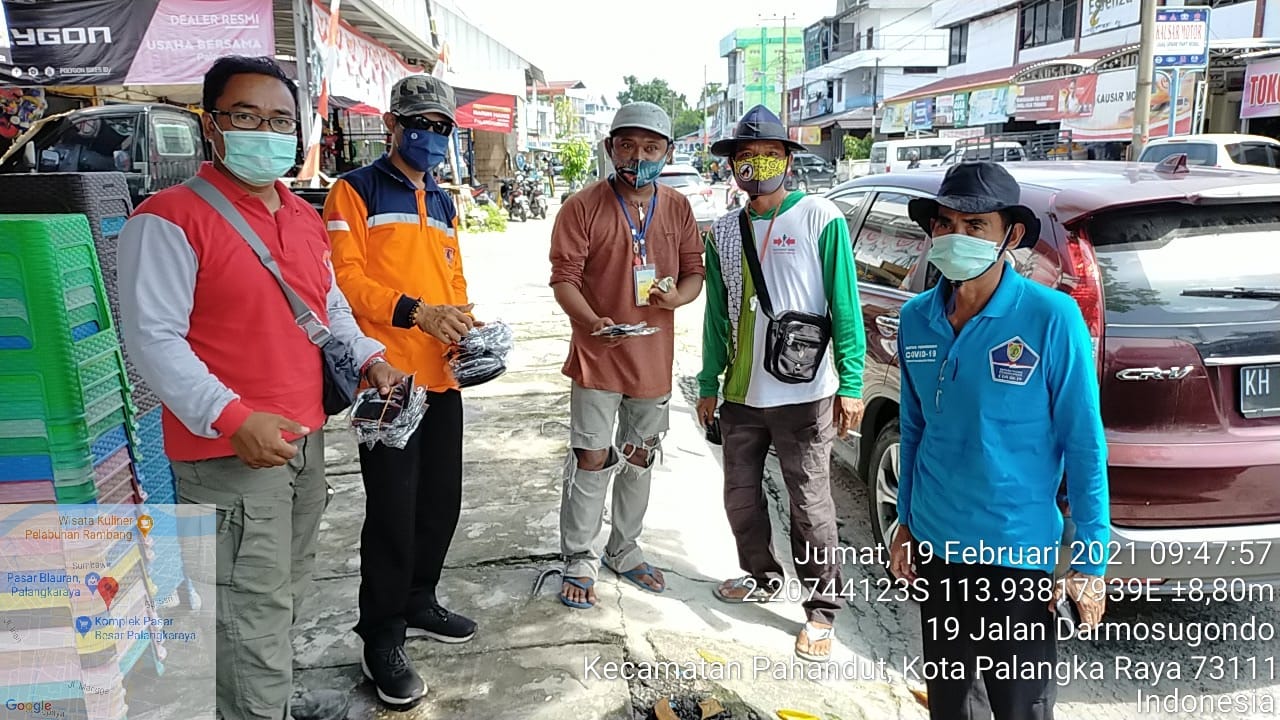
x,y
760,175
761,167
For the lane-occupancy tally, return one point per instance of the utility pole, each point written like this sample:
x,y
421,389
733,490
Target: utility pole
x,y
704,110
1146,76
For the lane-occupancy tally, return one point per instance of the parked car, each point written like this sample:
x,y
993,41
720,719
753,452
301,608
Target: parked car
x,y
1178,281
155,146
690,183
811,173
1244,152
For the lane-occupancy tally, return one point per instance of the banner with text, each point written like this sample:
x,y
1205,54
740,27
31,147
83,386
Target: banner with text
x,y
1112,118
128,42
478,110
1057,99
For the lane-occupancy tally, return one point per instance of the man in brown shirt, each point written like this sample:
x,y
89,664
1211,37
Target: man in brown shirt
x,y
612,242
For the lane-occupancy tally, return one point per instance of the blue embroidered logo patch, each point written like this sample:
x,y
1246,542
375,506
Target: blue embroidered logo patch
x,y
1013,362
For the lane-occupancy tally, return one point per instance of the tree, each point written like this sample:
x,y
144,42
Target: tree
x,y
576,157
857,148
565,121
687,122
655,91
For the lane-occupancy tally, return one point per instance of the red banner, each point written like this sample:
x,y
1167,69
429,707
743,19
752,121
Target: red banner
x,y
1060,99
494,112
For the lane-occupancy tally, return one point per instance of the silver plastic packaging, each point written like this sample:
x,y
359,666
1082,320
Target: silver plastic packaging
x,y
391,420
481,356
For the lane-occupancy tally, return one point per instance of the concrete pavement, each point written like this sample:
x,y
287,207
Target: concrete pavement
x,y
535,658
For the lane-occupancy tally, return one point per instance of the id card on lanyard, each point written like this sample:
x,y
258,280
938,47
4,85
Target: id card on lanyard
x,y
643,274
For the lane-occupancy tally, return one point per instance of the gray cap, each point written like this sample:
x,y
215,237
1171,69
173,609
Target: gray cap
x,y
419,94
642,116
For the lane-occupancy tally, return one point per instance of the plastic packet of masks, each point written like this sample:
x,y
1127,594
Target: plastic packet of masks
x,y
481,356
389,420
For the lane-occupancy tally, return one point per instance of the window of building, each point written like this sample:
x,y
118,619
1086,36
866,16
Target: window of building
x,y
959,44
1048,21
919,70
871,38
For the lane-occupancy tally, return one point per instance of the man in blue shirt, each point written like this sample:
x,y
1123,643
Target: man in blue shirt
x,y
999,399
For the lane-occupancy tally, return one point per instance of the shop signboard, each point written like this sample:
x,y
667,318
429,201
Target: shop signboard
x,y
128,42
1103,15
989,106
478,110
1261,89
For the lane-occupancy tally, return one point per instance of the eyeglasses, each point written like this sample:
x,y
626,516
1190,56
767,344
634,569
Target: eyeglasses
x,y
420,122
249,121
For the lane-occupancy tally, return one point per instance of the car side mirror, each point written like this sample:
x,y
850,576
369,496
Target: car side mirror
x,y
50,160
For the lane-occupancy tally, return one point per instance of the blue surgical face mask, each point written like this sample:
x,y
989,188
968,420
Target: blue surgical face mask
x,y
258,158
423,150
962,258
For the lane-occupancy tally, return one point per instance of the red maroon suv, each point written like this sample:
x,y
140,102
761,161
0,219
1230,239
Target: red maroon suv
x,y
1178,277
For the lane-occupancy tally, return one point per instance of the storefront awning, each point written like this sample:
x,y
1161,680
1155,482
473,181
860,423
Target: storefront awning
x,y
371,21
989,78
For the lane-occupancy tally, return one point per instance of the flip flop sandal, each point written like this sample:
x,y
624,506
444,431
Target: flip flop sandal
x,y
813,635
634,575
583,585
757,594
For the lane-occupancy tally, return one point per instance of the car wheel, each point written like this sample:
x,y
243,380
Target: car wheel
x,y
882,483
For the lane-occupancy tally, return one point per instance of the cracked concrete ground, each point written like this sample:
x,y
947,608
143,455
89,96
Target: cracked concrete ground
x,y
535,658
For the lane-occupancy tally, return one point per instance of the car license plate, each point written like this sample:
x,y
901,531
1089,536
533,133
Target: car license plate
x,y
1260,391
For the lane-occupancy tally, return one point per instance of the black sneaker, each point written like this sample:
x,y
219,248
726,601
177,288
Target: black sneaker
x,y
320,705
439,624
392,674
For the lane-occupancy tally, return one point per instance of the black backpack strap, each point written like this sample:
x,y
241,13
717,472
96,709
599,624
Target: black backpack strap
x,y
753,264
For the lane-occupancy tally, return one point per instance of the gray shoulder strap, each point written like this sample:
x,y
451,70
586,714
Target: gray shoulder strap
x,y
302,313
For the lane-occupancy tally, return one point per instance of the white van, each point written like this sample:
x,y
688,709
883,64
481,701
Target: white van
x,y
895,155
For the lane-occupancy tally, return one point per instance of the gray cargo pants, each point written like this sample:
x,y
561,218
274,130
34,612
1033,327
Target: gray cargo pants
x,y
268,521
802,435
641,422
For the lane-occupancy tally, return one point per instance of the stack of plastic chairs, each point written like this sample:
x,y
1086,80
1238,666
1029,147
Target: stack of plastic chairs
x,y
103,198
67,436
66,410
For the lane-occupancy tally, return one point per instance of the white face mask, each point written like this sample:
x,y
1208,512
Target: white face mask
x,y
961,257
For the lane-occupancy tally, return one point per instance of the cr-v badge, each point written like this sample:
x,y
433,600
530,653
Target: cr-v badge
x,y
1155,373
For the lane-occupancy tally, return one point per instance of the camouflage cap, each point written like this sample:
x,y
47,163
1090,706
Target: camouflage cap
x,y
419,94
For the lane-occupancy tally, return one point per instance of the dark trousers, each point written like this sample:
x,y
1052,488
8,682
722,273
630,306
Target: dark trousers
x,y
1025,696
802,435
413,499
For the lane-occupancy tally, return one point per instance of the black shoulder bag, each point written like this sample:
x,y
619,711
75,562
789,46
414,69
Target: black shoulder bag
x,y
797,341
341,376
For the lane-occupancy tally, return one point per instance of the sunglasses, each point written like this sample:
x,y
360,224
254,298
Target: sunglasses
x,y
419,122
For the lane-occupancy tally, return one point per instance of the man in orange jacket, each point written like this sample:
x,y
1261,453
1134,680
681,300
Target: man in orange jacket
x,y
396,256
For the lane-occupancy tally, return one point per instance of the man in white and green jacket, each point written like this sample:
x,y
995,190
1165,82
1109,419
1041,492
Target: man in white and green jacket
x,y
806,259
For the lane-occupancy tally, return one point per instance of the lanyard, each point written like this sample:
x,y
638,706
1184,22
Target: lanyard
x,y
638,245
764,247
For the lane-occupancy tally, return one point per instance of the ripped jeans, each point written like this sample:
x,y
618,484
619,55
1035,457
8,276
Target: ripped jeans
x,y
628,432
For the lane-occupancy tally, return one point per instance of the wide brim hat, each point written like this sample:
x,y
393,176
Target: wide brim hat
x,y
758,124
977,188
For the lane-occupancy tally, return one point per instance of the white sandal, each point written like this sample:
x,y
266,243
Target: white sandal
x,y
812,634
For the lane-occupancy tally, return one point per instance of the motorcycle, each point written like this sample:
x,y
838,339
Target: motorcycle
x,y
515,200
481,195
537,197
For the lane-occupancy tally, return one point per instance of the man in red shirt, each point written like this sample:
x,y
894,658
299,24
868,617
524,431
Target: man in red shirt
x,y
611,242
241,383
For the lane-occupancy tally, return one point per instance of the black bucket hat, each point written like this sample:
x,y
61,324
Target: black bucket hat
x,y
758,124
978,187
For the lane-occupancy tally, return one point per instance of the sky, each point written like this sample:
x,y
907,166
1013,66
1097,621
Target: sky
x,y
669,39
